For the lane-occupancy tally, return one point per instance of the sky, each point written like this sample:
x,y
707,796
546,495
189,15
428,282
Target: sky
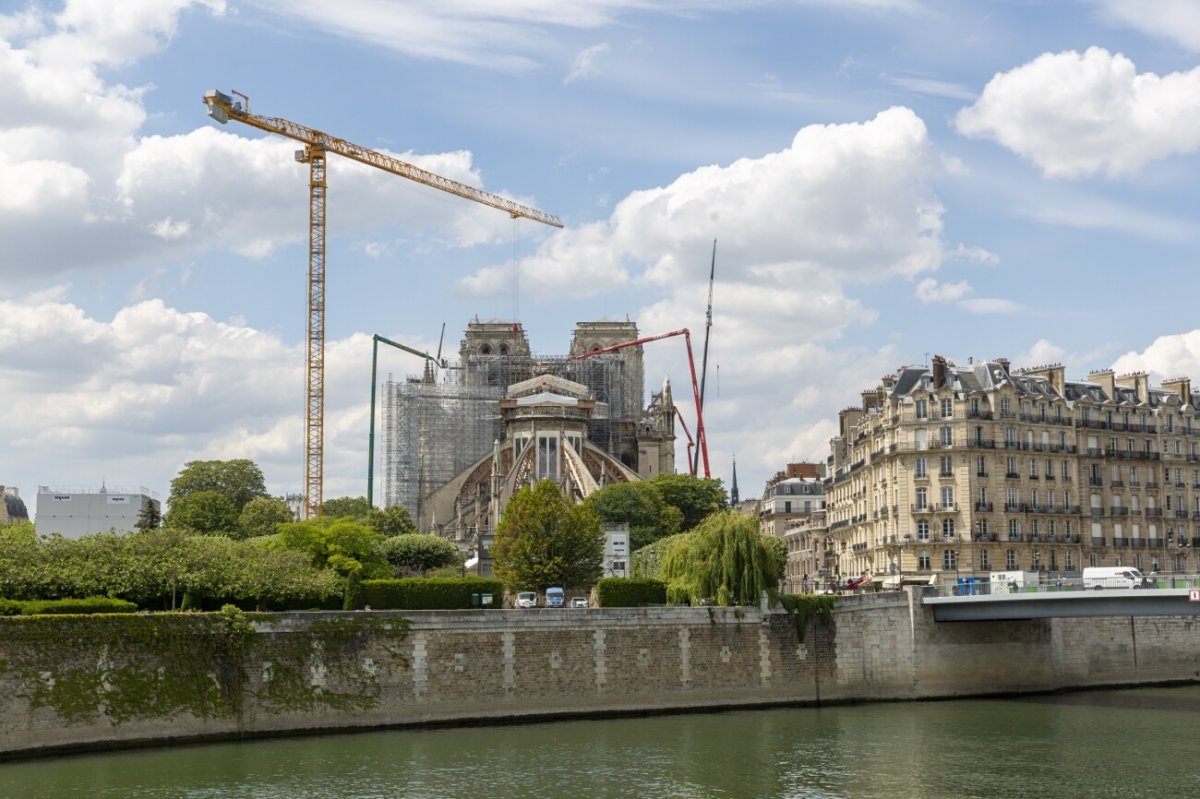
x,y
885,180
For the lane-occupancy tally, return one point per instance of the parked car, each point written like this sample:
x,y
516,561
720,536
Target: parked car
x,y
525,599
555,597
579,602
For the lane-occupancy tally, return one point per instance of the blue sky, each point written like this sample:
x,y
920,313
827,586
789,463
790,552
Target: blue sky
x,y
886,180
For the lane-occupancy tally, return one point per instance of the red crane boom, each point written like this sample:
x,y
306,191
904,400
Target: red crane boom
x,y
701,439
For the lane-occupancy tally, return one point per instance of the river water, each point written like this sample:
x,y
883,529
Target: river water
x,y
1130,743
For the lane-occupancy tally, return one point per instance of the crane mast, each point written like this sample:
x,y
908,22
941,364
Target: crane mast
x,y
222,107
701,440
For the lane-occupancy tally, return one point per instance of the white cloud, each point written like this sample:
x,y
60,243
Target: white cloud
x,y
1177,21
1168,356
154,387
853,201
976,255
929,290
1076,114
587,63
1041,353
937,88
990,305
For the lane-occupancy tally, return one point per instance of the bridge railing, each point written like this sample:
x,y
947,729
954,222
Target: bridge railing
x,y
1051,585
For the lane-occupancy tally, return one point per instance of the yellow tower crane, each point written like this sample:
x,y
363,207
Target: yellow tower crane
x,y
222,107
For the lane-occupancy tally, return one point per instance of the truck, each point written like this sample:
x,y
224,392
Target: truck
x,y
1101,577
1013,581
555,597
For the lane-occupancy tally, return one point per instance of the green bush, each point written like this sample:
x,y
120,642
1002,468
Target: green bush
x,y
10,607
46,607
622,592
433,593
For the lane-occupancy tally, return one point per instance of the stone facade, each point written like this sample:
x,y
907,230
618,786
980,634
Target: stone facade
x,y
452,667
947,471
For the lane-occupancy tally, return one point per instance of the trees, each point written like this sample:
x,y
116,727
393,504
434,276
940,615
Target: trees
x,y
204,512
544,540
262,516
725,559
346,507
642,507
412,555
696,497
239,481
344,546
148,517
391,521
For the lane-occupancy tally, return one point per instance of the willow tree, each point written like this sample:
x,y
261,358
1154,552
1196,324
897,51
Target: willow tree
x,y
725,559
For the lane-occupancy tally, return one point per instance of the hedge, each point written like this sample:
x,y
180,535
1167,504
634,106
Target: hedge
x,y
430,593
47,607
622,592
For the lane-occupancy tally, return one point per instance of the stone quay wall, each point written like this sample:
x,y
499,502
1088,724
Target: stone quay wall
x,y
83,683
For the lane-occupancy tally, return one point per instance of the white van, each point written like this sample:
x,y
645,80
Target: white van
x,y
1100,577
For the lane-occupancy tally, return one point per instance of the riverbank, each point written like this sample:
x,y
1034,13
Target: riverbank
x,y
75,683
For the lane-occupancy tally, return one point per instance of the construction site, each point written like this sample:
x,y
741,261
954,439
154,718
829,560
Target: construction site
x,y
447,423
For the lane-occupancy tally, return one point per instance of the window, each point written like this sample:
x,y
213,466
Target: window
x,y
920,409
985,563
1049,469
974,406
946,436
787,506
1010,466
947,528
949,559
923,530
1058,414
1014,529
922,498
1005,405
547,463
923,563
945,466
981,466
919,468
1066,470
982,527
1062,440
947,409
1093,559
1010,560
1014,499
1070,563
1033,473
947,497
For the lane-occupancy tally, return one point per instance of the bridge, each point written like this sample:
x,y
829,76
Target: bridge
x,y
1050,602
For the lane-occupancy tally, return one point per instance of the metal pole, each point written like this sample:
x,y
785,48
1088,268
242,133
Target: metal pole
x,y
371,440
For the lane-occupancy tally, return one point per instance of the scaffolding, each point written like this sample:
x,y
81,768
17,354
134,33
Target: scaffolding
x,y
433,431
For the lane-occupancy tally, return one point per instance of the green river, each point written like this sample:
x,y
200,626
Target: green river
x,y
1130,743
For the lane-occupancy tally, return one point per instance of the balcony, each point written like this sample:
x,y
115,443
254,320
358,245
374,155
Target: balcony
x,y
979,414
1097,512
1013,507
981,443
1098,541
1096,481
985,474
1154,513
1012,475
1181,514
921,508
984,507
1119,512
1121,542
1151,485
1117,483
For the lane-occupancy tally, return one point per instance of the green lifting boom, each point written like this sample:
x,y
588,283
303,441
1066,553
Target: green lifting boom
x,y
371,443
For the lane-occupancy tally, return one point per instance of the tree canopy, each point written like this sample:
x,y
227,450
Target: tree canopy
x,y
642,507
203,512
346,547
238,480
262,516
346,507
696,497
544,540
725,560
412,555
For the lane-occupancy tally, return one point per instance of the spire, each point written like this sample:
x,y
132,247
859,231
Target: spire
x,y
733,492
